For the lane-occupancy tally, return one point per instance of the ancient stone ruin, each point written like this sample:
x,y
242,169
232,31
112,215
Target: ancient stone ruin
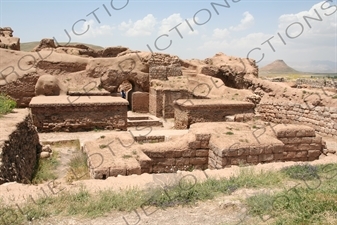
x,y
215,101
7,40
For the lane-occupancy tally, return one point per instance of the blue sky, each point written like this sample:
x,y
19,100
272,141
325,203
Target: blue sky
x,y
241,27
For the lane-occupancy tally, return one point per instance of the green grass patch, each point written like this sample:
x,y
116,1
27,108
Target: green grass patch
x,y
78,167
186,192
307,202
7,104
301,172
45,169
229,133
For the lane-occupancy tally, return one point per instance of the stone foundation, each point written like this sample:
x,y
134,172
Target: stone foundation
x,y
207,145
71,113
19,147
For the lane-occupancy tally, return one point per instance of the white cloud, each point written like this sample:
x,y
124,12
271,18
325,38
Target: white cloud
x,y
143,27
245,23
220,33
90,29
173,21
321,30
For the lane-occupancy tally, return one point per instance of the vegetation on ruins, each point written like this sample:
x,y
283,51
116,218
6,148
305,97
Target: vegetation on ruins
x,y
45,169
7,104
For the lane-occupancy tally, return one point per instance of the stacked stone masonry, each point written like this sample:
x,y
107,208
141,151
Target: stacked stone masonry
x,y
19,147
190,111
195,157
64,113
322,119
296,143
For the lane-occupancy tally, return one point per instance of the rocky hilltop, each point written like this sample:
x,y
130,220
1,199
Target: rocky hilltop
x,y
278,66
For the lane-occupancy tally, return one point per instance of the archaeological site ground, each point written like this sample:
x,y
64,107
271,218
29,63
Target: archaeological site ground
x,y
181,121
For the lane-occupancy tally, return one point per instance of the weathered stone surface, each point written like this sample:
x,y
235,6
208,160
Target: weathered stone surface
x,y
70,113
49,85
19,147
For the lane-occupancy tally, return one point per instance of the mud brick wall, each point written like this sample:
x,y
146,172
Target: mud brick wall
x,y
149,139
161,72
185,115
318,82
22,90
50,117
19,147
245,154
156,102
169,96
322,119
300,144
140,102
194,157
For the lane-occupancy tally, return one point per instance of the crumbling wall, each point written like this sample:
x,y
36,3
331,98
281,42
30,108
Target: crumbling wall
x,y
171,159
21,90
322,119
19,147
187,112
61,113
293,143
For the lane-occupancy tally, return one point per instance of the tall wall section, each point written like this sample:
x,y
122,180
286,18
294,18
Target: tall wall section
x,y
19,147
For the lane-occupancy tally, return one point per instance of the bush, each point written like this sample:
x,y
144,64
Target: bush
x,y
7,104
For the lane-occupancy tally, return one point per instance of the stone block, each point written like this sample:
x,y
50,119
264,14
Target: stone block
x,y
254,159
314,154
238,160
266,158
188,153
194,144
198,161
182,161
204,144
202,137
201,152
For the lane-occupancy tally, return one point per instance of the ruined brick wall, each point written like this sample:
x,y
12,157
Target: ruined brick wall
x,y
156,102
19,147
79,116
322,119
171,160
300,145
169,96
162,72
22,90
149,139
297,143
140,102
318,83
245,154
185,115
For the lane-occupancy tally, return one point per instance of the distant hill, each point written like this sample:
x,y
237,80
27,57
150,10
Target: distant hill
x,y
278,66
29,46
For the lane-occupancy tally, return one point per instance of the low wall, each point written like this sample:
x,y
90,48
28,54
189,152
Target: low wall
x,y
318,83
64,113
322,119
292,143
195,156
19,147
187,112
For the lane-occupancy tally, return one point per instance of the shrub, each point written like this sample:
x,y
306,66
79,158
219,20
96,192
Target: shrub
x,y
7,104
